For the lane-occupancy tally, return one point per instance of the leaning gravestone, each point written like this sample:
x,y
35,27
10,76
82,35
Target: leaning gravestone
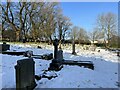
x,y
25,74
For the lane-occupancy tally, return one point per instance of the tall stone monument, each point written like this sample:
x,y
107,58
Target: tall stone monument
x,y
56,63
73,47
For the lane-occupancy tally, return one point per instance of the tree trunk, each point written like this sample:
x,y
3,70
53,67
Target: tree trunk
x,y
17,35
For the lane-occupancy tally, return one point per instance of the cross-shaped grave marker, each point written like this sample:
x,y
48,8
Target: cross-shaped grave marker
x,y
56,63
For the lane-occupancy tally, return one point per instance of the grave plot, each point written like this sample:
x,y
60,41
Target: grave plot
x,y
86,64
58,61
4,47
14,52
73,76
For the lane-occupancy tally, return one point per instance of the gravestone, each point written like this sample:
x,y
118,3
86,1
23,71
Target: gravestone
x,y
73,47
118,54
4,47
92,48
24,40
25,74
55,43
28,53
58,57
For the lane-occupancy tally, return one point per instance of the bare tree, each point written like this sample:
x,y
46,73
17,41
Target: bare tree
x,y
15,16
82,35
38,20
96,34
74,35
42,17
107,23
8,17
34,16
63,24
50,12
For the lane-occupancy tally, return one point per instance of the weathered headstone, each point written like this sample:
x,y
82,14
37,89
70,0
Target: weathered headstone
x,y
57,61
55,43
60,55
4,47
25,74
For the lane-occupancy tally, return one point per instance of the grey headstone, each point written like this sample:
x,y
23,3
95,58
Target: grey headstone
x,y
25,74
60,55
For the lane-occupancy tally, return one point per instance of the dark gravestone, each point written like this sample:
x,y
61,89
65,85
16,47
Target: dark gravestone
x,y
118,54
73,47
24,40
4,47
28,53
60,55
55,43
57,61
25,74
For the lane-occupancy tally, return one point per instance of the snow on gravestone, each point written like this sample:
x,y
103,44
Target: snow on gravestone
x,y
25,74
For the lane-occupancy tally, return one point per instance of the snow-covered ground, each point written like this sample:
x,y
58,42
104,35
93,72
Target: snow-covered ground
x,y
105,74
